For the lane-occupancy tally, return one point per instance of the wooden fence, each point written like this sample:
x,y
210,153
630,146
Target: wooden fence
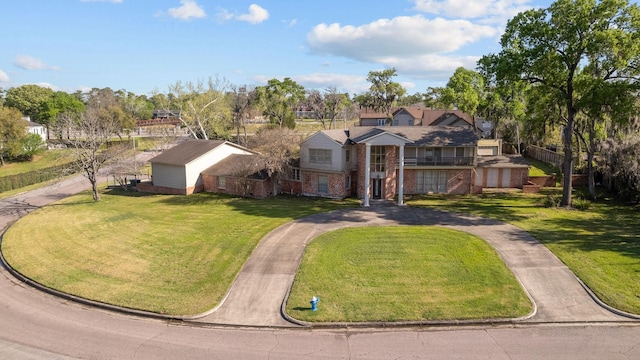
x,y
545,155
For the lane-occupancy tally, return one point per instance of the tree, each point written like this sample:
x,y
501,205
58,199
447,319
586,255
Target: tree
x,y
335,103
464,90
57,104
602,102
383,93
278,99
550,47
277,147
204,111
326,106
408,100
28,99
12,131
92,131
242,101
32,144
316,102
432,98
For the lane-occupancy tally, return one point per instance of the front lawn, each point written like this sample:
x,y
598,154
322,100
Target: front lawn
x,y
404,273
167,254
601,244
47,159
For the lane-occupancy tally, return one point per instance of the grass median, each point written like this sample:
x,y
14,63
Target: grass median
x,y
404,273
167,254
600,243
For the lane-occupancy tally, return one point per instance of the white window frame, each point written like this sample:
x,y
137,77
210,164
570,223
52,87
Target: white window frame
x,y
323,184
320,156
222,182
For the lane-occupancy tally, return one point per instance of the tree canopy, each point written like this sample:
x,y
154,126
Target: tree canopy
x,y
551,47
383,92
278,99
28,99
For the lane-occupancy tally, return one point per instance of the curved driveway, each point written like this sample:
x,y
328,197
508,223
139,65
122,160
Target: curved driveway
x,y
259,291
35,325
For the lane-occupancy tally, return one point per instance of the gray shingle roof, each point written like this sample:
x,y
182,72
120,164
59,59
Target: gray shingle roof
x,y
186,152
418,135
239,165
502,161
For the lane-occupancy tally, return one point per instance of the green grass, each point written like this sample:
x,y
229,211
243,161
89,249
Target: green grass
x,y
404,273
47,159
601,244
539,168
167,254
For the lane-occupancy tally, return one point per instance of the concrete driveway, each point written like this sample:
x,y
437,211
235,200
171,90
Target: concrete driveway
x,y
257,296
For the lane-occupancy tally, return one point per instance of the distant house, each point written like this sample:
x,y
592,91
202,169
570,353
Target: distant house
x,y
179,170
35,128
418,116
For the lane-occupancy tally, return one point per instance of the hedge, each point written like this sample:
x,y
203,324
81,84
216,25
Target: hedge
x,y
18,181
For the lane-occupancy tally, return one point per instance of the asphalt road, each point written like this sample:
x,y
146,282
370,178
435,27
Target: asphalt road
x,y
36,325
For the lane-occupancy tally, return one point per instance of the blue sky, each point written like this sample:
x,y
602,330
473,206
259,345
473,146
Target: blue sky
x,y
146,45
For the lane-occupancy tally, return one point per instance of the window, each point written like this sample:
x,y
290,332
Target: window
x,y
431,181
348,155
323,184
320,156
222,182
295,175
382,122
347,182
378,158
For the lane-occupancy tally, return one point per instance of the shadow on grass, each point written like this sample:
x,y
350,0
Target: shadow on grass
x,y
302,308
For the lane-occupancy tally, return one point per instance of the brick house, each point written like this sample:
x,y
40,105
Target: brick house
x,y
391,161
207,165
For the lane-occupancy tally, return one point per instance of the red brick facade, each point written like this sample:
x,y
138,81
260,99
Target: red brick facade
x,y
254,188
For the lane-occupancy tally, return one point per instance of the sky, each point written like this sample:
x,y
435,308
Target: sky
x,y
144,46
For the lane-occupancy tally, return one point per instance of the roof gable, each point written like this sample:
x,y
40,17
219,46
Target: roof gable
x,y
186,152
445,117
438,136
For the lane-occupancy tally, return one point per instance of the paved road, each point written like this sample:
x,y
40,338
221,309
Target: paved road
x,y
36,325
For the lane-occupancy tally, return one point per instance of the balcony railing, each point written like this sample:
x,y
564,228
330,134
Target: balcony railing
x,y
439,161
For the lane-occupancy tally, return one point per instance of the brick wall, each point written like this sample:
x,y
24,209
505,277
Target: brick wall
x,y
336,182
148,187
239,186
546,181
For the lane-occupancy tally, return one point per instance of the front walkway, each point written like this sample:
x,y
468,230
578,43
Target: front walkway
x,y
256,297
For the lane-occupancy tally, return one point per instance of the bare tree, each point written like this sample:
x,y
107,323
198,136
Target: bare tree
x,y
335,102
242,101
203,107
318,106
162,136
277,147
91,131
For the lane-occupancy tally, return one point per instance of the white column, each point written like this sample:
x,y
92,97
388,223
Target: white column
x,y
367,174
401,176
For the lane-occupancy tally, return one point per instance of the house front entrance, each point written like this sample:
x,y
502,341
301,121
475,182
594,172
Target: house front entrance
x,y
377,188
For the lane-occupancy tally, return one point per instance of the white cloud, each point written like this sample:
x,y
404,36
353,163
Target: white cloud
x,y
189,9
290,23
3,76
48,85
488,11
413,44
256,15
342,82
30,63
